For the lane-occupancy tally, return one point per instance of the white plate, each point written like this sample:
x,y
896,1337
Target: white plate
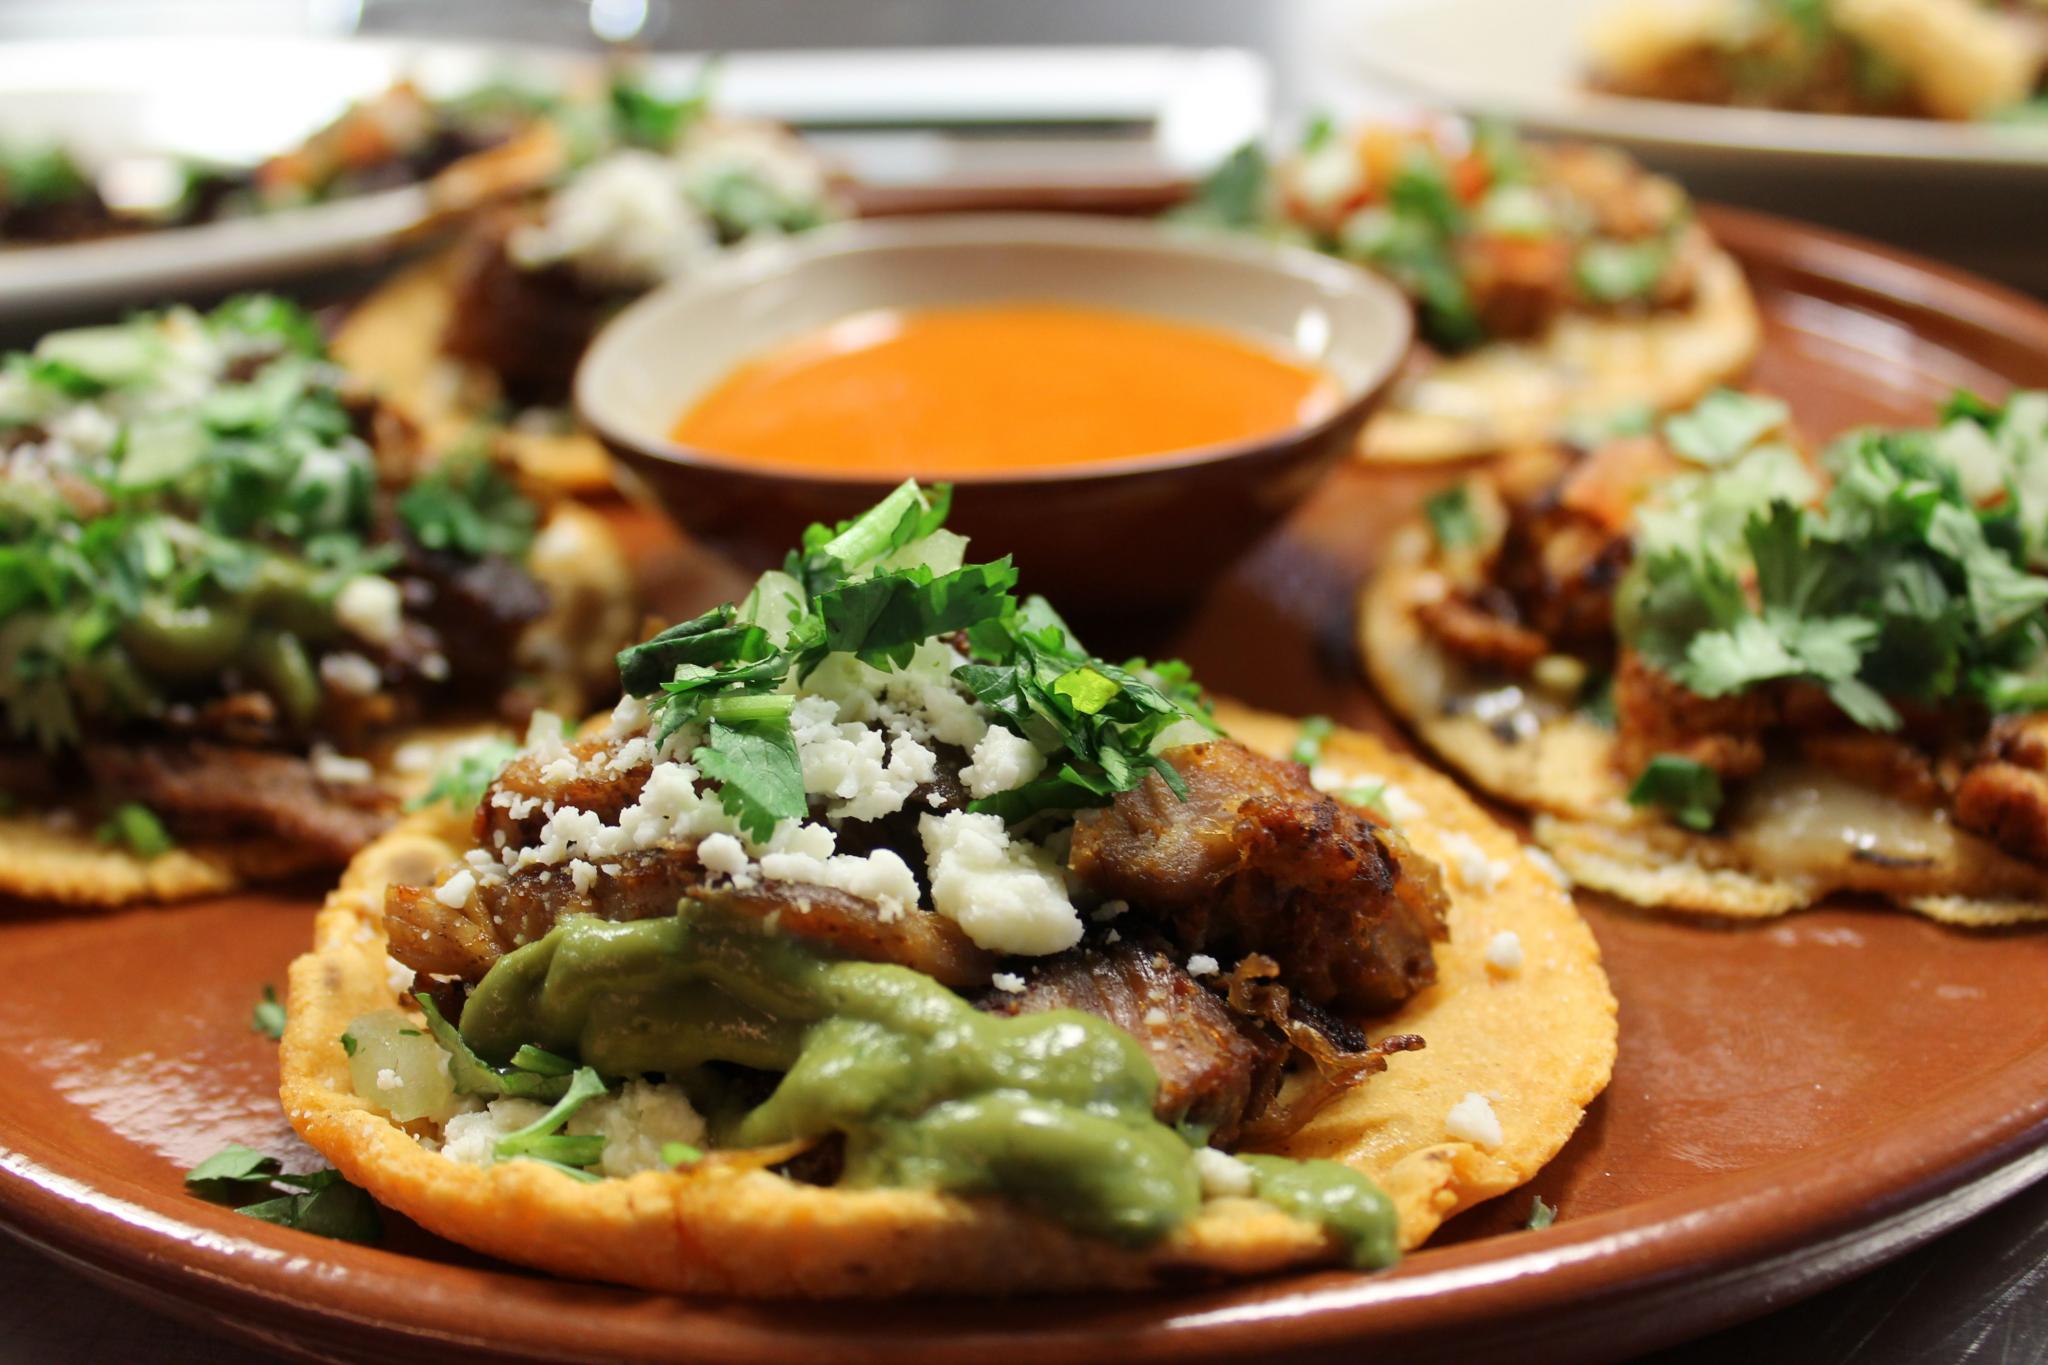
x,y
1524,59
888,117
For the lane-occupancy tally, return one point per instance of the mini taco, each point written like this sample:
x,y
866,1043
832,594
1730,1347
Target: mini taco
x,y
882,940
1732,678
232,587
1552,283
1942,59
650,189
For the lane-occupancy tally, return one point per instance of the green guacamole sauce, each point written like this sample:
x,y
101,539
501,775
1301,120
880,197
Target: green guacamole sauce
x,y
1051,1110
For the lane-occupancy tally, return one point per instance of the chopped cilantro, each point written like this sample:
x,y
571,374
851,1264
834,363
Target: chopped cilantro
x,y
349,1044
1689,792
1541,1215
1916,576
1612,271
1372,795
135,827
474,1076
464,778
680,1154
541,1062
268,1016
755,764
319,1202
1234,194
468,506
542,1137
1451,518
1308,744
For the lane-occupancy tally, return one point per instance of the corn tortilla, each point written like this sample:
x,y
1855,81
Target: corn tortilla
x,y
56,857
1512,392
1566,773
1540,1042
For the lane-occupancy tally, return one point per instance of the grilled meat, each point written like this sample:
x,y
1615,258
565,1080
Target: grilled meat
x,y
213,790
595,786
527,327
465,940
1216,1070
853,927
1256,860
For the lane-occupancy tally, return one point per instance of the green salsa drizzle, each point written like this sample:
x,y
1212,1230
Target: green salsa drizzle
x,y
1051,1110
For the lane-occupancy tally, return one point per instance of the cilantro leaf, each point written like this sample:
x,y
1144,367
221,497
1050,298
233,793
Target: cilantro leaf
x,y
760,780
1451,518
1608,270
1689,792
1234,194
465,777
882,619
135,827
339,1210
319,1202
1541,1215
539,1138
468,506
473,1075
268,1017
1308,744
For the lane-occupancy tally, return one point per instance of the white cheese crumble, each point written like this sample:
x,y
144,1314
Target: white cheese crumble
x,y
804,853
1504,952
724,854
473,1138
339,769
1472,1120
1007,981
1222,1175
388,1079
397,976
351,673
1549,867
456,891
635,1123
624,222
1201,964
1002,761
1471,863
867,775
1155,1017
1009,895
369,607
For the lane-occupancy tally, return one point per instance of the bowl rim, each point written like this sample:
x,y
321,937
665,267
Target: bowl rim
x,y
758,263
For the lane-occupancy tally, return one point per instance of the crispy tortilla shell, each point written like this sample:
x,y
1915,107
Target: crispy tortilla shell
x,y
55,857
1511,393
1760,862
1539,1042
392,342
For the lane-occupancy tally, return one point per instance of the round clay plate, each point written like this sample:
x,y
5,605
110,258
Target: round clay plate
x,y
1794,1100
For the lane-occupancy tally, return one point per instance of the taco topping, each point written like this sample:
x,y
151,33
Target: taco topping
x,y
1879,615
222,570
880,870
1492,238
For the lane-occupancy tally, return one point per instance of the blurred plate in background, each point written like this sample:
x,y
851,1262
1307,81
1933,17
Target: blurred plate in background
x,y
996,124
1966,192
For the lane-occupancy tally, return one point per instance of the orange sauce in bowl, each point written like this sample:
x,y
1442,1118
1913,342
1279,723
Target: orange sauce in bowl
x,y
945,392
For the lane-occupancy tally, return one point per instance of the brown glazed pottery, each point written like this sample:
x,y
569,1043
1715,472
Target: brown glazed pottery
x,y
1794,1100
1170,522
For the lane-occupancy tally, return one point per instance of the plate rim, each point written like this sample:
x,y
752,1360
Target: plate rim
x,y
1831,1210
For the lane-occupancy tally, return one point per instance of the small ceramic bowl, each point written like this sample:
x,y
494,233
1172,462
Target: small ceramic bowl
x,y
1129,536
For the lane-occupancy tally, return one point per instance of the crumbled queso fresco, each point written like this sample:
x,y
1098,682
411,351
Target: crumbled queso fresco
x,y
864,738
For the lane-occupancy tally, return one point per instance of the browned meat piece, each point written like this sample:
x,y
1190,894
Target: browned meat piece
x,y
853,927
475,608
594,788
1881,762
464,941
1655,715
1518,284
2004,796
527,327
1256,860
217,790
2008,805
1215,1070
1481,635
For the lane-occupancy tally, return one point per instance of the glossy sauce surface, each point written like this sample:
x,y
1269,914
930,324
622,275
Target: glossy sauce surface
x,y
944,392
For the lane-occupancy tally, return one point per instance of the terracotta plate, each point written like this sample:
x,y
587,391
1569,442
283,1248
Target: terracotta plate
x,y
1794,1101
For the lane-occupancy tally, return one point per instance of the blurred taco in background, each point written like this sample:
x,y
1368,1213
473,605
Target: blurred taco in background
x,y
231,587
1553,283
1735,678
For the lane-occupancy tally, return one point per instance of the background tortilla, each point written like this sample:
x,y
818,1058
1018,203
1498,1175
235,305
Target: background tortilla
x,y
1565,773
1512,393
1539,1042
